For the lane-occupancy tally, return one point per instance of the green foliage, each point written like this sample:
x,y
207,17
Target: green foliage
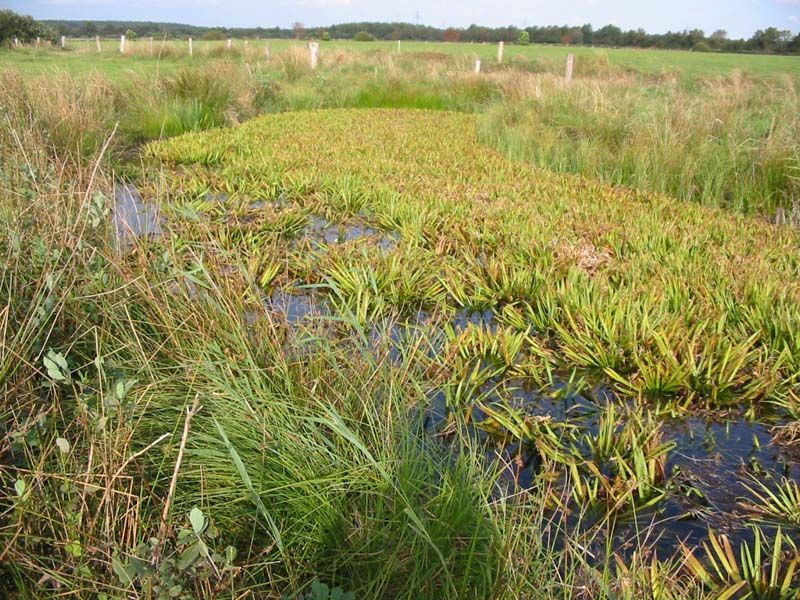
x,y
363,36
524,38
22,27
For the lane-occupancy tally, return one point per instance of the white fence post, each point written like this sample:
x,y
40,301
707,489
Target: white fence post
x,y
477,65
313,54
190,47
97,42
150,44
570,64
398,46
122,44
63,42
500,52
229,43
266,49
38,41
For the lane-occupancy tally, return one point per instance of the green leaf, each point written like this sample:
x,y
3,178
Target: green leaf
x,y
20,487
74,548
57,367
122,571
63,445
189,556
230,554
198,520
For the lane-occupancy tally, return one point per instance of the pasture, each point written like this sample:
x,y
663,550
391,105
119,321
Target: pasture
x,y
390,328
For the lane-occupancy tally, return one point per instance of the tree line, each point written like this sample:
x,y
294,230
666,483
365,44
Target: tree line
x,y
770,40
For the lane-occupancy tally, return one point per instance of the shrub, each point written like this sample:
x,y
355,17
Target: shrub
x,y
701,47
364,36
524,38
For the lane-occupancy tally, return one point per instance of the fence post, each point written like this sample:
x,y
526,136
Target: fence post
x,y
266,49
500,52
122,44
97,42
38,41
477,65
398,46
313,53
570,64
63,42
150,44
229,43
190,47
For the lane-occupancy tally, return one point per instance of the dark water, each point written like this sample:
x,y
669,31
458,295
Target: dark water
x,y
707,472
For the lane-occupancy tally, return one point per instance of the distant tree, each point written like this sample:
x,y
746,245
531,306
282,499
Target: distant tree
x,y
325,37
299,30
364,36
701,47
22,27
770,39
718,39
452,35
524,38
130,34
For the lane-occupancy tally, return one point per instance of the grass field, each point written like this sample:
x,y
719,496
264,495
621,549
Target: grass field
x,y
654,62
395,330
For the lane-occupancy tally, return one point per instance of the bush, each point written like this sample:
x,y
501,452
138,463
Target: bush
x,y
326,37
364,36
701,47
524,38
213,35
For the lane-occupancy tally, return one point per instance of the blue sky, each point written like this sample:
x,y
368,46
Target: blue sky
x,y
738,17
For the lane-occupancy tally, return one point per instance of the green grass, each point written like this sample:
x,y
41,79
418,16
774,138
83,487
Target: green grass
x,y
652,62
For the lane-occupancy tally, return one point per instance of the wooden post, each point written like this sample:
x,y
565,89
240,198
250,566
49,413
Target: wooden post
x,y
570,64
313,54
190,47
266,49
16,42
398,46
477,65
63,42
97,42
500,52
229,43
38,41
150,45
122,44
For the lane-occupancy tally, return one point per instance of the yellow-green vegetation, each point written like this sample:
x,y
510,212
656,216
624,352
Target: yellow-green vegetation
x,y
666,301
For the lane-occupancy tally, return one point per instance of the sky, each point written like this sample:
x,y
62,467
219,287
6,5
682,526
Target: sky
x,y
739,17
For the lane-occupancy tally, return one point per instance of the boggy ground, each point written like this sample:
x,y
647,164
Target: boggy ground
x,y
628,352
513,385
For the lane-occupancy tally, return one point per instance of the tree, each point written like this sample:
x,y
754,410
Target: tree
x,y
718,38
130,34
299,30
364,36
524,38
326,37
22,27
452,35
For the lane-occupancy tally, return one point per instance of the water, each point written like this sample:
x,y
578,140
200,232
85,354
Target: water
x,y
132,218
707,472
321,232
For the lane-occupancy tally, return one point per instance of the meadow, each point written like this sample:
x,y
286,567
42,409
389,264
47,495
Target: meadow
x,y
393,329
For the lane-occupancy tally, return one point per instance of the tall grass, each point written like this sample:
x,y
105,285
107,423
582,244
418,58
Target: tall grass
x,y
728,141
